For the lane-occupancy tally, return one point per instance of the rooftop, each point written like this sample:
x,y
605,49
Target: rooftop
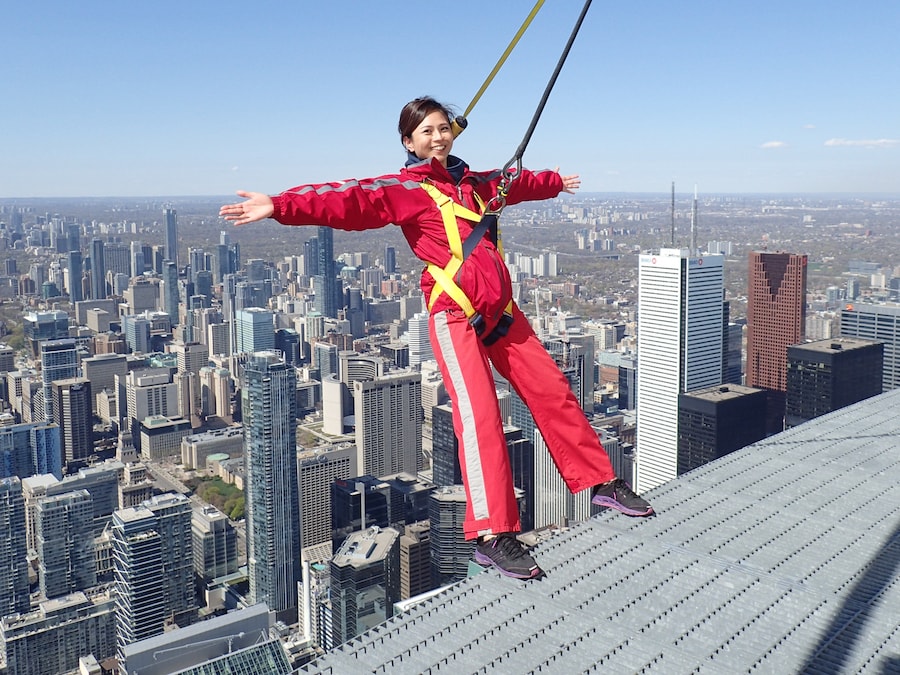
x,y
780,557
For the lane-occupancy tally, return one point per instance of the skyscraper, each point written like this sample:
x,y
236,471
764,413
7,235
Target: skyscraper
x,y
147,392
192,356
30,448
829,374
325,281
170,299
255,330
65,543
153,561
419,340
269,406
415,560
138,262
389,417
776,319
450,551
717,420
198,260
365,583
877,322
13,554
59,361
98,269
101,370
39,326
444,448
117,258
319,468
215,544
137,332
679,350
72,413
57,633
390,260
287,341
75,273
171,235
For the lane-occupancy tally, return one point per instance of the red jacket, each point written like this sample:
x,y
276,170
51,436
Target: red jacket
x,y
399,199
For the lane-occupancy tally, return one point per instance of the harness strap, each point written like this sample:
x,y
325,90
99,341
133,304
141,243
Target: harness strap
x,y
450,211
444,277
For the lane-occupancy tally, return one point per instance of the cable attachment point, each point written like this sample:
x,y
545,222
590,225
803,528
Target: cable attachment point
x,y
507,175
458,125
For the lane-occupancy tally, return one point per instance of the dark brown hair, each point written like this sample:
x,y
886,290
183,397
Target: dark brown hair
x,y
417,110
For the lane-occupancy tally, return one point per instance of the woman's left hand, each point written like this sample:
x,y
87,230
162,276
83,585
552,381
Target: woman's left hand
x,y
570,183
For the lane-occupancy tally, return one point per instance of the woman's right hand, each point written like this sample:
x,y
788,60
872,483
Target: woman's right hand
x,y
258,206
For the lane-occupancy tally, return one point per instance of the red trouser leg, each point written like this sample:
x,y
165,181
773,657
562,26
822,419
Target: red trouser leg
x,y
573,443
484,459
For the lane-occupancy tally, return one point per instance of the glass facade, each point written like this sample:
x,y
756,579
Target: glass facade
x,y
269,406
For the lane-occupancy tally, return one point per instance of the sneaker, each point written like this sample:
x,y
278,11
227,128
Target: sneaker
x,y
619,495
508,555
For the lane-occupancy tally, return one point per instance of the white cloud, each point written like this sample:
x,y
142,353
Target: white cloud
x,y
235,168
773,144
844,143
809,126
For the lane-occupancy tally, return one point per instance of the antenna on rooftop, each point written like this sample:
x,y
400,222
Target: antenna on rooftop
x,y
672,243
694,224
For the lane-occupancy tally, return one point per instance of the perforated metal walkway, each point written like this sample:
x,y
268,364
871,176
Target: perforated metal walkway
x,y
783,557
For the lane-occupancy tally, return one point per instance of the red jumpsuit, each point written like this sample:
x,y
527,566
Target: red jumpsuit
x,y
465,361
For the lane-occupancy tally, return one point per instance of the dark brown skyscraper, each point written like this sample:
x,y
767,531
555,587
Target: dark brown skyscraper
x,y
776,319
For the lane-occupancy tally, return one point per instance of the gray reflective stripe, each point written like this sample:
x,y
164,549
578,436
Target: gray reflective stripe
x,y
463,407
376,184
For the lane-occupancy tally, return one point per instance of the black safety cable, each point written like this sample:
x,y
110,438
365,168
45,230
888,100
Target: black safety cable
x,y
508,174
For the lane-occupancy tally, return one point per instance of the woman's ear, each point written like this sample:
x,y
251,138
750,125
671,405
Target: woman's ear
x,y
407,143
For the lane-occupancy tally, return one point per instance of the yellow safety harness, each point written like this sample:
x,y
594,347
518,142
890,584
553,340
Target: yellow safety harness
x,y
444,278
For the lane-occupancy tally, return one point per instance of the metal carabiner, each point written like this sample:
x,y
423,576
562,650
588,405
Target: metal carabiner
x,y
507,175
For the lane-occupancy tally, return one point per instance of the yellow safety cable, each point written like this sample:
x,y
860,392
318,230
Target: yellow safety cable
x,y
459,125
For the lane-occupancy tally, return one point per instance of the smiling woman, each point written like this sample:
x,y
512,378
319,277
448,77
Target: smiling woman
x,y
441,206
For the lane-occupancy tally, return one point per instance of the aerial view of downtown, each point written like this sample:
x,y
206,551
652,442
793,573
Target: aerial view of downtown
x,y
306,368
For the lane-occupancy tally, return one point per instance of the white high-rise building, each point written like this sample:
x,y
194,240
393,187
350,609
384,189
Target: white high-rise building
x,y
388,413
419,340
680,315
319,467
554,504
147,392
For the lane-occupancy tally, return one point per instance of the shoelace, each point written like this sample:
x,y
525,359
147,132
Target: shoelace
x,y
621,487
511,547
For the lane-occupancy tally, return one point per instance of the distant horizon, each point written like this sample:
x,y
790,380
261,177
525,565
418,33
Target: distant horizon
x,y
9,201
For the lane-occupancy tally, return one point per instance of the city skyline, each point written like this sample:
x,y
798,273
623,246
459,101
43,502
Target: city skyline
x,y
262,401
173,99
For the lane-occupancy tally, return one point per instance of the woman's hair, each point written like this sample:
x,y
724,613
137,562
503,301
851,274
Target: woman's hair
x,y
417,110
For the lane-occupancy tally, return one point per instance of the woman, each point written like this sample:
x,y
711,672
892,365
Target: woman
x,y
473,322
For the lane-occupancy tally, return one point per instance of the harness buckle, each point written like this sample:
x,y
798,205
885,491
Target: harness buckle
x,y
477,323
500,330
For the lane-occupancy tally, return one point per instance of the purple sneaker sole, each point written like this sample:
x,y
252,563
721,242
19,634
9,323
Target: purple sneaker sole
x,y
611,503
482,559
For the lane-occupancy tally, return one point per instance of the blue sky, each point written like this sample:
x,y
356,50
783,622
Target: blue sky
x,y
112,98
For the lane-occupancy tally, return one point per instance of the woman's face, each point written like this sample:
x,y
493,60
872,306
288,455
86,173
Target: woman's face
x,y
432,138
